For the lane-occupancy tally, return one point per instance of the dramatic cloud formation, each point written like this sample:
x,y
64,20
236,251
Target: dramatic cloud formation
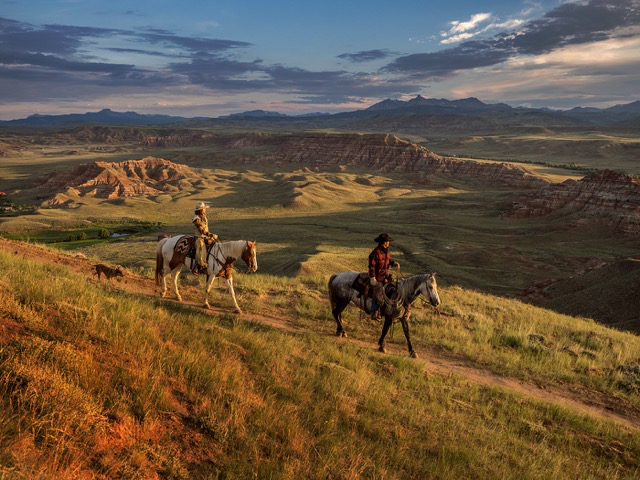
x,y
586,47
63,52
568,24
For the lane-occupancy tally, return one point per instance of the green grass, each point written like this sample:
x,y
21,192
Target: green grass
x,y
100,383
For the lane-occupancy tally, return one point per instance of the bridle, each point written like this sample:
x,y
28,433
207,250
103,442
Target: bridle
x,y
251,256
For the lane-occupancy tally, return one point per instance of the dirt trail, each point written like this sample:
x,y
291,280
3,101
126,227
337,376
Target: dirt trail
x,y
572,396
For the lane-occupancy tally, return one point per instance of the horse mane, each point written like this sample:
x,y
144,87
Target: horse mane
x,y
408,286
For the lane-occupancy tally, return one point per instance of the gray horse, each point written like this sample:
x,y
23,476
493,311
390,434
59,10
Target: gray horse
x,y
341,293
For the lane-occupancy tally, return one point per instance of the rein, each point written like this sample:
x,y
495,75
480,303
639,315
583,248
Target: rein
x,y
390,302
215,257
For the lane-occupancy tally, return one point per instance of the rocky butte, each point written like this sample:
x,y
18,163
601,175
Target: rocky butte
x,y
609,196
110,180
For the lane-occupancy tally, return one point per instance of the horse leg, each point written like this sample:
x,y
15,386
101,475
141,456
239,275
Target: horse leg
x,y
385,328
337,314
233,294
405,328
206,292
174,277
163,294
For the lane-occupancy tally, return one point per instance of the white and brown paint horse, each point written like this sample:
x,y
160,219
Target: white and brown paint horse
x,y
172,255
341,294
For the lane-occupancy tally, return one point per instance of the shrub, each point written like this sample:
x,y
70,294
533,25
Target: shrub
x,y
82,236
104,233
71,238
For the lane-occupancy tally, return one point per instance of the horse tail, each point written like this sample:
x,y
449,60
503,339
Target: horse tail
x,y
159,261
331,296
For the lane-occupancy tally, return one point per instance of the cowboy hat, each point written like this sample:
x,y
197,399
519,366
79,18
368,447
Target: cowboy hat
x,y
383,237
200,206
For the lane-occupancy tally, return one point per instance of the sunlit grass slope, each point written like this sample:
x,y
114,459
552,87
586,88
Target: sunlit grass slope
x,y
98,383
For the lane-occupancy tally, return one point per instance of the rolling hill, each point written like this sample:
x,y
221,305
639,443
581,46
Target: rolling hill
x,y
104,380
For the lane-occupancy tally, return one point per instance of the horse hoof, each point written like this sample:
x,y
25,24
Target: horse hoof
x,y
179,299
206,305
413,354
382,349
238,310
344,334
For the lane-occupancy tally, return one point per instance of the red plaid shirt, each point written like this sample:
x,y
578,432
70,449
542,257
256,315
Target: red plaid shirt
x,y
379,262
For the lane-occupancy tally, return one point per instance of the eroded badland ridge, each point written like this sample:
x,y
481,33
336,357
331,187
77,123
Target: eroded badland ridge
x,y
611,197
148,176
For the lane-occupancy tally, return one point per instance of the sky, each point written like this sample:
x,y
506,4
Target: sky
x,y
215,57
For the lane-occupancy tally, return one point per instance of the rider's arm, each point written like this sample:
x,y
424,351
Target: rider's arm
x,y
200,226
373,261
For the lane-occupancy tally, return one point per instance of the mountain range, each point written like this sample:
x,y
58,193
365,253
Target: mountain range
x,y
416,110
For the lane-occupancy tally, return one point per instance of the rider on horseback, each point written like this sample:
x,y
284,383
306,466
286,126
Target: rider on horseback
x,y
379,263
203,236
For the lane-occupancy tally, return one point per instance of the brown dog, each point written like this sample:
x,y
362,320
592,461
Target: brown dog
x,y
107,271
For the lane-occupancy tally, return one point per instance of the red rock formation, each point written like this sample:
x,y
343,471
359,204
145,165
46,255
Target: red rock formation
x,y
611,196
118,179
376,152
388,153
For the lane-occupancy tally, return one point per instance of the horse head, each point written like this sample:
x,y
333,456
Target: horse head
x,y
250,256
429,288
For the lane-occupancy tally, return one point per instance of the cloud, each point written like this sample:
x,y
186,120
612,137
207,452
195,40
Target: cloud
x,y
150,53
229,75
366,55
459,27
33,52
564,78
568,24
51,39
192,44
66,62
461,30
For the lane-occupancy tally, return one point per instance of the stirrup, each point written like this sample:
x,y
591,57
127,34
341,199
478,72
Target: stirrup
x,y
198,269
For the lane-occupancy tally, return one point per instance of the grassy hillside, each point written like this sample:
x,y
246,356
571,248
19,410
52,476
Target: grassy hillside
x,y
98,382
586,294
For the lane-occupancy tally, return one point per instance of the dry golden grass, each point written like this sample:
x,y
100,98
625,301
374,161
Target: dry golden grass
x,y
97,383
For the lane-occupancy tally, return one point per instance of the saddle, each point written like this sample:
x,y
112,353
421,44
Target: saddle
x,y
362,285
186,248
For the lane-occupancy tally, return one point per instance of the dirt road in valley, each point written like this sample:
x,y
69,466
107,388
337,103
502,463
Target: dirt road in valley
x,y
571,396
